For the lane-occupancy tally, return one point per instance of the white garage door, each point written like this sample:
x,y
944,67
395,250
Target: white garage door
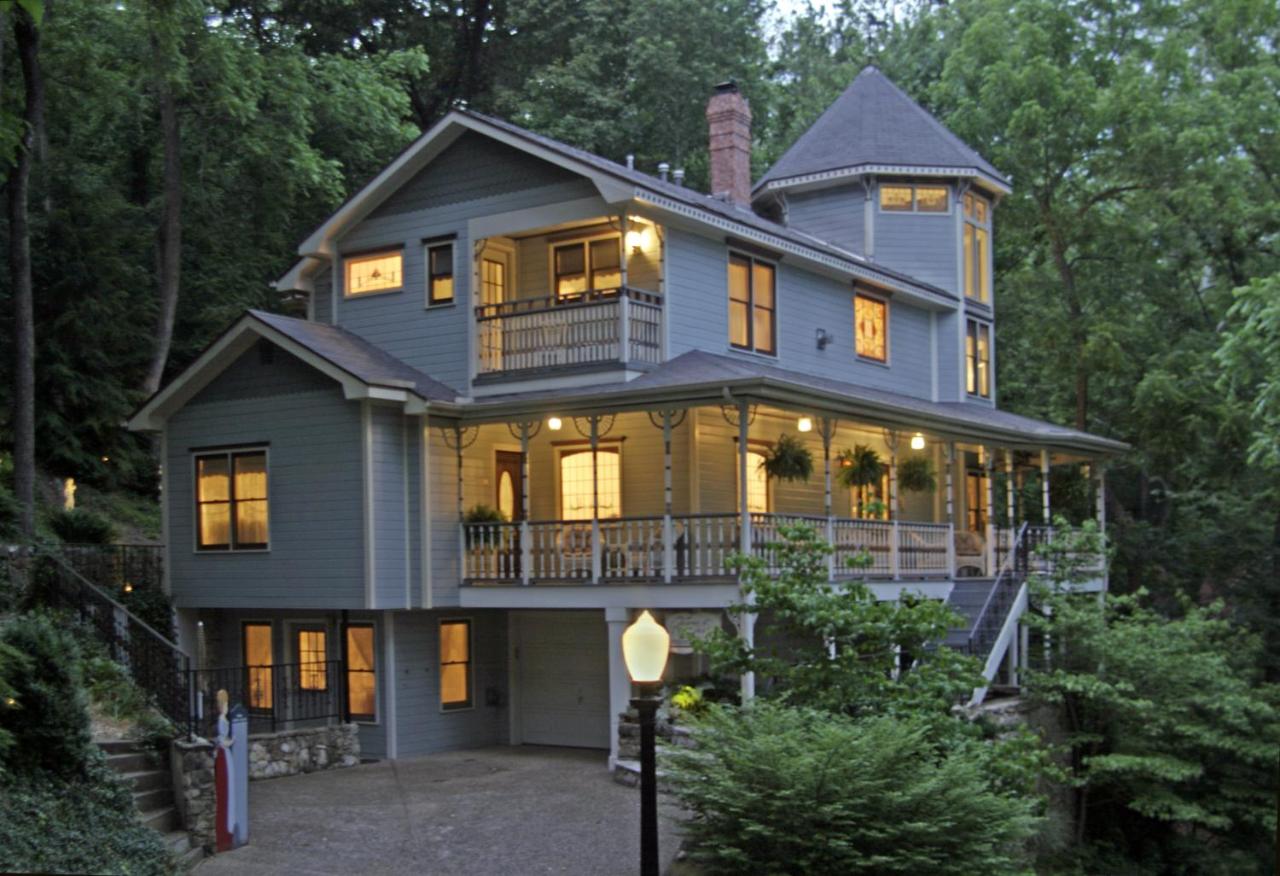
x,y
564,678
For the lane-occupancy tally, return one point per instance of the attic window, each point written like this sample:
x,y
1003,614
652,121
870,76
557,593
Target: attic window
x,y
375,272
914,199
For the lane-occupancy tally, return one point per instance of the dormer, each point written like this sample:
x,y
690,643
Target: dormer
x,y
877,175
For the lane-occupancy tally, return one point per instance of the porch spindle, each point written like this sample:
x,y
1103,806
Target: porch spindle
x,y
595,500
1044,486
895,559
949,452
746,625
988,467
668,534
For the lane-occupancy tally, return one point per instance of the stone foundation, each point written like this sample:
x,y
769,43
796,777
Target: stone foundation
x,y
290,752
191,764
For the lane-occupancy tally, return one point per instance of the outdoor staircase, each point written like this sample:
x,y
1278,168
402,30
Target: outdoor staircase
x,y
152,786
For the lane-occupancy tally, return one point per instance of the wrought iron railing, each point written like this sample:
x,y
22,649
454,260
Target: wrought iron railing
x,y
154,662
117,565
278,696
1004,592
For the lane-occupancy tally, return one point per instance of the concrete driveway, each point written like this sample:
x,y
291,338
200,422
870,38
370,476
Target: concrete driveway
x,y
490,811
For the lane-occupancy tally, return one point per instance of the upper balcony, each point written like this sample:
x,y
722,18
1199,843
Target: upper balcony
x,y
584,296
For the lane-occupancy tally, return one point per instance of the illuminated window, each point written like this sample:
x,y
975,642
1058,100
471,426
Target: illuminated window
x,y
455,664
871,326
871,502
575,483
231,511
915,198
587,266
752,304
440,274
493,281
313,670
258,663
977,248
975,486
977,354
757,483
362,699
376,272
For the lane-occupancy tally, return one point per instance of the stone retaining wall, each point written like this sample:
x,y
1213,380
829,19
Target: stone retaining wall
x,y
193,790
290,752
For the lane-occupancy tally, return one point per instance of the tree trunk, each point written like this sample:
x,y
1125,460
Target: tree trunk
x,y
168,238
27,42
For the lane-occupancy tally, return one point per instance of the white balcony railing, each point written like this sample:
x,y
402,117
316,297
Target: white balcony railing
x,y
611,325
690,547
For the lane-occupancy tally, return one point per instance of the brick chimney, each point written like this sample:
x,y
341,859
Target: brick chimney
x,y
729,118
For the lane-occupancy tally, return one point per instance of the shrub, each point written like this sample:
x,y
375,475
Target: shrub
x,y
775,790
49,719
78,526
86,824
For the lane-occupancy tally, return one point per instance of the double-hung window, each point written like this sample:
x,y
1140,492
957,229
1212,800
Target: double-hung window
x,y
313,666
258,664
231,500
752,304
455,664
977,354
585,266
362,698
977,248
440,274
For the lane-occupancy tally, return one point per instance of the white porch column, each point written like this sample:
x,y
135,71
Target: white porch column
x,y
619,681
668,530
747,621
1044,487
596,569
462,514
949,453
624,302
988,468
526,537
1024,646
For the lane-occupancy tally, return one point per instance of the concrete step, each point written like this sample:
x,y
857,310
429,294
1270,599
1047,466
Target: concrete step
x,y
163,820
190,858
130,762
152,799
146,780
117,746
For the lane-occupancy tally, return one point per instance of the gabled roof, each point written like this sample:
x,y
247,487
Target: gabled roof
x,y
363,370
617,183
874,126
698,377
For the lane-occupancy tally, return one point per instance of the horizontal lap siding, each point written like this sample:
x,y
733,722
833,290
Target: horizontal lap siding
x,y
697,293
314,487
443,505
919,244
322,296
950,353
836,215
422,727
394,526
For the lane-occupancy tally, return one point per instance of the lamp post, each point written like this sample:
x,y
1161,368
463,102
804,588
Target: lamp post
x,y
645,645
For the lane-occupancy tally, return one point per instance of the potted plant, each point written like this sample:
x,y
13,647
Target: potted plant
x,y
916,474
482,514
860,469
788,459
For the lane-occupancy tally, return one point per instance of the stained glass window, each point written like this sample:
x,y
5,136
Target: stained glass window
x,y
871,325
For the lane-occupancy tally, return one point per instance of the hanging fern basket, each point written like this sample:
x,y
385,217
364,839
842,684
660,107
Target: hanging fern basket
x,y
788,460
859,467
916,475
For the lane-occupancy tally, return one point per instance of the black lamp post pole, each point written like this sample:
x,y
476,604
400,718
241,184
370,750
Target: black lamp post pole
x,y
647,706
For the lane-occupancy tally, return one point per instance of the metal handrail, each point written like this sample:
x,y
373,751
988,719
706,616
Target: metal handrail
x,y
1006,568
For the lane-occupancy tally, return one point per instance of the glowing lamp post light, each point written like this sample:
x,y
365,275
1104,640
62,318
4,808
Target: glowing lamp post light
x,y
645,646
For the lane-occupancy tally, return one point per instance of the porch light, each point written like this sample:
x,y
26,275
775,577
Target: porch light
x,y
554,424
645,645
638,238
805,424
128,588
917,441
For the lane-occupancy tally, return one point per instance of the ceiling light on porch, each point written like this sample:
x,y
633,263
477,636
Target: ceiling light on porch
x,y
645,645
638,237
554,423
805,424
917,441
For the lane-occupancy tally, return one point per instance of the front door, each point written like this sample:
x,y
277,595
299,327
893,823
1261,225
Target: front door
x,y
508,485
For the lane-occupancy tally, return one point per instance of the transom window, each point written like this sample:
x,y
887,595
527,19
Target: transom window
x,y
752,304
575,483
977,248
313,670
915,198
586,266
362,700
977,353
440,274
455,664
375,272
871,327
231,500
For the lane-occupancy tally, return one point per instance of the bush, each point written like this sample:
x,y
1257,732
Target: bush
x,y
84,824
82,527
783,790
49,719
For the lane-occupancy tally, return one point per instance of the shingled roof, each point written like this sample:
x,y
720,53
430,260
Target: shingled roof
x,y
875,123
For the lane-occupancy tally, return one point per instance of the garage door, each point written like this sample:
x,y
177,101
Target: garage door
x,y
564,678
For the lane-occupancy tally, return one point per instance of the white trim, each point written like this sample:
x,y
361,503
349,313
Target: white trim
x,y
408,520
367,469
425,507
471,664
368,256
809,179
427,303
915,210
599,596
229,452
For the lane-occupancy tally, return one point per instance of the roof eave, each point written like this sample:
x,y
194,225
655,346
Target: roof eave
x,y
819,179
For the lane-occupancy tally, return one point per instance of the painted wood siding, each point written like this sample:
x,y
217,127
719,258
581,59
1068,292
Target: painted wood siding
x,y
836,215
322,296
699,316
443,508
314,483
394,500
473,178
920,244
421,727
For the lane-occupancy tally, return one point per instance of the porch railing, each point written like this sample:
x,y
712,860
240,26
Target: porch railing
x,y
609,325
279,696
690,547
